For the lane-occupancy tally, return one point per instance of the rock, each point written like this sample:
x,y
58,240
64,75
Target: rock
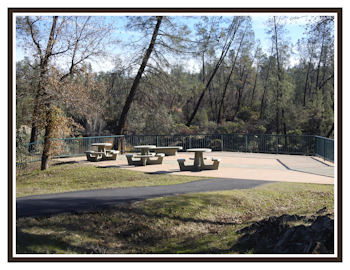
x,y
278,235
321,222
295,240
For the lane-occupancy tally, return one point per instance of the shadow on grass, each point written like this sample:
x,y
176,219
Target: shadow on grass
x,y
125,229
64,163
28,243
162,172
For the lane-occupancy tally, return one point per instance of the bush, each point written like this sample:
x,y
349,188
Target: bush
x,y
211,128
247,114
231,127
294,132
259,129
183,129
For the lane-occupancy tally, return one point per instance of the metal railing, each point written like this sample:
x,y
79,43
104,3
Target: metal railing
x,y
63,147
256,143
324,148
252,143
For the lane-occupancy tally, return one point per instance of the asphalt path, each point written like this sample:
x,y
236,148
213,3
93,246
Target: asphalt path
x,y
93,200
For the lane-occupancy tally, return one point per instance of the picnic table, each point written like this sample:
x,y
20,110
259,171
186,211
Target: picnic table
x,y
101,146
198,163
102,153
144,158
144,148
167,150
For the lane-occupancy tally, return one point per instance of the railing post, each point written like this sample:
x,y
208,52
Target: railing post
x,y
324,149
222,142
277,144
246,142
189,142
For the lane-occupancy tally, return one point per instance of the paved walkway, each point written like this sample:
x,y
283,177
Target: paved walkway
x,y
270,167
89,200
236,171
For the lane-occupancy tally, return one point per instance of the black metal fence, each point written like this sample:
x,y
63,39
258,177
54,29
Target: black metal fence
x,y
62,147
255,143
324,148
252,143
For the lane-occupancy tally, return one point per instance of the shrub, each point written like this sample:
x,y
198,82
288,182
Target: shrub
x,y
247,114
231,127
294,132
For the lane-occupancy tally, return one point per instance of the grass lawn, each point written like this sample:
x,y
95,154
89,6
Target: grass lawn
x,y
197,223
64,177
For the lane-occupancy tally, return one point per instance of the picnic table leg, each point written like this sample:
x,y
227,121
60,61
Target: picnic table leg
x,y
144,161
198,159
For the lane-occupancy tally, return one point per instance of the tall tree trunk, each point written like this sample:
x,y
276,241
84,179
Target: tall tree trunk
x,y
265,91
129,100
306,81
232,33
218,121
228,79
330,131
240,95
317,84
278,90
44,60
255,82
45,158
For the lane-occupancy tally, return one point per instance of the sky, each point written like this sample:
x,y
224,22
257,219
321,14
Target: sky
x,y
295,32
294,29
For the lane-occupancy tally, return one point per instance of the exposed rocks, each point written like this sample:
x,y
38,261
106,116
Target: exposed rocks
x,y
286,235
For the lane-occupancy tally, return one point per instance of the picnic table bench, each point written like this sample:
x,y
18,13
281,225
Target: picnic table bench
x,y
214,166
105,155
143,160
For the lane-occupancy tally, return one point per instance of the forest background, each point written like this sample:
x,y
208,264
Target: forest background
x,y
107,75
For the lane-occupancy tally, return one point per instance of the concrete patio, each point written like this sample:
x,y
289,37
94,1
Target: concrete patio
x,y
237,165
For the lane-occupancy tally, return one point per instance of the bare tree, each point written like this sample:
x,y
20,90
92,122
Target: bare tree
x,y
230,36
58,41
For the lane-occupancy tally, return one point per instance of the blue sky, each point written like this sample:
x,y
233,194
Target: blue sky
x,y
295,33
295,30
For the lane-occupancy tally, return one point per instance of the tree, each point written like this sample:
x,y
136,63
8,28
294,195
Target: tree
x,y
229,38
234,56
168,37
280,54
77,39
26,82
127,105
314,75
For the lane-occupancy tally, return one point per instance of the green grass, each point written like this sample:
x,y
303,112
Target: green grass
x,y
198,223
64,177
